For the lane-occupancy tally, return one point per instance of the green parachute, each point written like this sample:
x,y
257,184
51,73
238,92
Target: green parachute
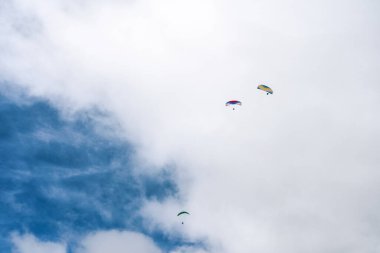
x,y
182,212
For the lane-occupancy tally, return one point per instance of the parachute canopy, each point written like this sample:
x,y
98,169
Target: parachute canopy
x,y
233,102
265,88
182,212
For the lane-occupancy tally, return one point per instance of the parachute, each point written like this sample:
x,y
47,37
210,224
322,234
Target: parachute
x,y
233,103
182,213
265,88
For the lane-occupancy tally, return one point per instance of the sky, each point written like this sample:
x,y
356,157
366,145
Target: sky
x,y
113,120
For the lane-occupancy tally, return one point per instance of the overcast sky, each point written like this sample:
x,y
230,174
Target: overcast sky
x,y
113,120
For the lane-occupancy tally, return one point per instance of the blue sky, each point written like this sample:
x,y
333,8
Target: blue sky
x,y
61,179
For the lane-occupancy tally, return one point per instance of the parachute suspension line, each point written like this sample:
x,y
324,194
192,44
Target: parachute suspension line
x,y
182,213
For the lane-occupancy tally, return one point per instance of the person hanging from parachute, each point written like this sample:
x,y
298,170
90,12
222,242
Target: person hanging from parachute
x,y
182,213
233,103
265,88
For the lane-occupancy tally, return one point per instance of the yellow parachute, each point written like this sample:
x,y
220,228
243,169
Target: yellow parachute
x,y
265,88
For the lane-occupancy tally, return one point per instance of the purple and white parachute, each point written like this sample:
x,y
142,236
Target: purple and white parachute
x,y
233,103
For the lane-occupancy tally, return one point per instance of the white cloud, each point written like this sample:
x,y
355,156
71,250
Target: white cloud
x,y
296,171
98,242
29,244
118,242
188,250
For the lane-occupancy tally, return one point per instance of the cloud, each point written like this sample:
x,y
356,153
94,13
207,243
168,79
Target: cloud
x,y
97,242
116,241
29,244
296,171
188,250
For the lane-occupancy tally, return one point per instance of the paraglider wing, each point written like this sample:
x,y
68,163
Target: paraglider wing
x,y
233,102
183,212
265,88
